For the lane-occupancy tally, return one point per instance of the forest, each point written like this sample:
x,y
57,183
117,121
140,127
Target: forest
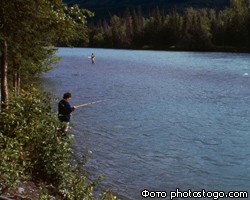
x,y
192,30
107,8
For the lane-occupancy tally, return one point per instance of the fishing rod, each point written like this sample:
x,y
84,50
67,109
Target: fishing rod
x,y
90,103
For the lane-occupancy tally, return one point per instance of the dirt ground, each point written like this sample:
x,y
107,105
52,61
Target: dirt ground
x,y
27,190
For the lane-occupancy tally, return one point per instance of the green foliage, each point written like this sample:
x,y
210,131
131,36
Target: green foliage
x,y
172,29
76,184
31,147
118,31
233,22
31,28
11,163
108,195
117,6
98,39
194,29
23,128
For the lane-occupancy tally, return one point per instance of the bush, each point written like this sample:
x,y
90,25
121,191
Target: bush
x,y
30,147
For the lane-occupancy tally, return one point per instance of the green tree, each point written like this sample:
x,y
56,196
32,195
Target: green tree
x,y
232,26
196,30
157,27
248,24
32,27
138,28
129,30
118,30
237,22
172,29
96,35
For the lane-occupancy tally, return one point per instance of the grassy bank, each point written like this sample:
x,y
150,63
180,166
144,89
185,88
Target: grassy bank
x,y
31,151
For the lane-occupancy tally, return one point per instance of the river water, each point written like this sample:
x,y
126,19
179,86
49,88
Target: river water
x,y
170,119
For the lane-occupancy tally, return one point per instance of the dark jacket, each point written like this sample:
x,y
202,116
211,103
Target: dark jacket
x,y
64,110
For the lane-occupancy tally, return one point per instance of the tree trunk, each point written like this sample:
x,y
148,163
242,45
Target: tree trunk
x,y
18,82
4,83
15,83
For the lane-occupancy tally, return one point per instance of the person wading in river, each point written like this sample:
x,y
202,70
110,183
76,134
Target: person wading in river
x,y
64,111
93,58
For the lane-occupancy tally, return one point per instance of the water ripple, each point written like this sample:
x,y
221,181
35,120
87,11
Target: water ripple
x,y
174,119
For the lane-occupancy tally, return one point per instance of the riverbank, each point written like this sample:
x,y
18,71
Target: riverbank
x,y
36,162
28,190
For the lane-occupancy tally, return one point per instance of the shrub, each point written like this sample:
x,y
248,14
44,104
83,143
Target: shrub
x,y
30,147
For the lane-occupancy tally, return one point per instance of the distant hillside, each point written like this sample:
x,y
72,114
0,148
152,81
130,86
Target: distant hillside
x,y
104,8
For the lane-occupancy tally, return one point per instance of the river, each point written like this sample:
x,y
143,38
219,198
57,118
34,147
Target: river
x,y
169,120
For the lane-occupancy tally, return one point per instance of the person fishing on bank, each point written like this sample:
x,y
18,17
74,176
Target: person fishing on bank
x,y
64,111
